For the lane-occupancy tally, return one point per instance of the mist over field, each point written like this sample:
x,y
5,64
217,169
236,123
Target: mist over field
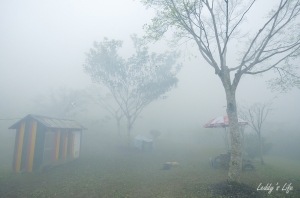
x,y
43,47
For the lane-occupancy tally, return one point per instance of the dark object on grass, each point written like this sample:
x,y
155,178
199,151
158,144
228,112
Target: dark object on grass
x,y
247,165
166,167
225,189
224,159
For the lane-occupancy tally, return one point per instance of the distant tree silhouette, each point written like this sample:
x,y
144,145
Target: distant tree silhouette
x,y
133,83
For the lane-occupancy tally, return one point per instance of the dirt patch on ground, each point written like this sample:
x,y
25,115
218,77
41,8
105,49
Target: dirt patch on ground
x,y
234,190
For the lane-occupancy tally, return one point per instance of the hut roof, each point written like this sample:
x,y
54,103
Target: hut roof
x,y
49,122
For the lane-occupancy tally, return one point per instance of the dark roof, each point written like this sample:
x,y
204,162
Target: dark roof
x,y
49,122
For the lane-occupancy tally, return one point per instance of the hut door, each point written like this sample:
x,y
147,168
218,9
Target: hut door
x,y
76,144
48,147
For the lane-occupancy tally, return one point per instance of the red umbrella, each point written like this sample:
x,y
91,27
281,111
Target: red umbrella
x,y
222,121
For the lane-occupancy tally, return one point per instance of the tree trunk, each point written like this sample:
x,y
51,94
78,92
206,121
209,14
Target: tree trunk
x,y
236,147
235,165
261,154
128,131
119,127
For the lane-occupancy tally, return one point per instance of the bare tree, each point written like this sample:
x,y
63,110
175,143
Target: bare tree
x,y
214,26
136,82
106,102
256,116
61,103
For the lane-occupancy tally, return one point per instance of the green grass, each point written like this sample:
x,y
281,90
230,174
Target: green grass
x,y
104,170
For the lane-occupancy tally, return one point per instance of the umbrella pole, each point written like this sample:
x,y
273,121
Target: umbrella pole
x,y
225,138
242,129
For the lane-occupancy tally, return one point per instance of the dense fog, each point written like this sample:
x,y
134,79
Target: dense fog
x,y
43,46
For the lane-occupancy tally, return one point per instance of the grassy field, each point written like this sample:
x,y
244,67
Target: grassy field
x,y
106,170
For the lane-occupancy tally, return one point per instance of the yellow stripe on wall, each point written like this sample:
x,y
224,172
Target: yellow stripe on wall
x,y
57,145
20,147
32,146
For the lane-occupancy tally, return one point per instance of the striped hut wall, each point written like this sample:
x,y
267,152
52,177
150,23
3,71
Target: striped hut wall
x,y
25,149
56,146
65,144
80,142
31,145
39,147
18,147
61,144
72,145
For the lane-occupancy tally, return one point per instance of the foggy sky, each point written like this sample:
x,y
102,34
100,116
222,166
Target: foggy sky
x,y
43,45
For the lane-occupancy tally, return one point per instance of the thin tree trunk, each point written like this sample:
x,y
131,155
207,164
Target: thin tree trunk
x,y
261,154
119,128
128,132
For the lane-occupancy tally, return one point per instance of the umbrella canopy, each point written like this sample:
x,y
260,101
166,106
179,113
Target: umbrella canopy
x,y
222,121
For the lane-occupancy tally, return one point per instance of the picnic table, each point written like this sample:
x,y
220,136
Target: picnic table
x,y
223,160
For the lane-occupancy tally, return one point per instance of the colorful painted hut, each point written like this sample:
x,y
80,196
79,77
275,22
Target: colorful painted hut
x,y
42,141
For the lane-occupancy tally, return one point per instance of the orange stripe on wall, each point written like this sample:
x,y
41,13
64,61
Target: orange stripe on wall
x,y
31,145
19,147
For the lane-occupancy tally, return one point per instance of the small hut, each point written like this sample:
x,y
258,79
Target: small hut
x,y
43,141
143,143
